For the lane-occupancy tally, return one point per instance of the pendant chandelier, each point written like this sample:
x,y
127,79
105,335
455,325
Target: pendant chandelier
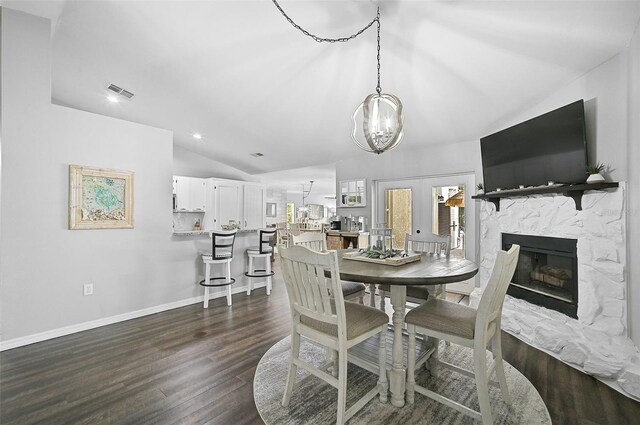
x,y
377,121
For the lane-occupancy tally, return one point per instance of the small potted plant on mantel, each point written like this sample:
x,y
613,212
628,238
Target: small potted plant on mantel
x,y
479,189
595,173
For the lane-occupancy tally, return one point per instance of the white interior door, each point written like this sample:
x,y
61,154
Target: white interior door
x,y
419,205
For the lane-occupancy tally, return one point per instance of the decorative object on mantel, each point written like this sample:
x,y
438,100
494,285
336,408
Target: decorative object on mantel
x,y
480,189
574,191
595,173
380,113
100,198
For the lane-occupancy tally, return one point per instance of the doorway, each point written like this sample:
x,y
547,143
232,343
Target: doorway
x,y
430,204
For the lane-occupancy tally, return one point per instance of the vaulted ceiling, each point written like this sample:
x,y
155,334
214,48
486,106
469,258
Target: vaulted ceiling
x,y
239,74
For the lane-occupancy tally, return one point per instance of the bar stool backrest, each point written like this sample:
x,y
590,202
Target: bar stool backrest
x,y
222,243
266,240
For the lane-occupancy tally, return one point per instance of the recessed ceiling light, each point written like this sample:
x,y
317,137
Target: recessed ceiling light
x,y
197,136
112,98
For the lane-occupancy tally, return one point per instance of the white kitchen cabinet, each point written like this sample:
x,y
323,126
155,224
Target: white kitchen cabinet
x,y
228,202
243,203
254,203
189,193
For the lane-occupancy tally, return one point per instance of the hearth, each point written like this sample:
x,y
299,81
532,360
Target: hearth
x,y
547,272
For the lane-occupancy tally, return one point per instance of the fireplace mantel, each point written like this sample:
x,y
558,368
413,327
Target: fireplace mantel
x,y
574,191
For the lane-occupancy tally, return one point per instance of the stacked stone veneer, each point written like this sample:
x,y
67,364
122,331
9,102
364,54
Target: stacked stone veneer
x,y
597,341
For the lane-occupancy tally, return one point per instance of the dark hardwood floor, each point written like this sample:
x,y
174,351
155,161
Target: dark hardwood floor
x,y
196,366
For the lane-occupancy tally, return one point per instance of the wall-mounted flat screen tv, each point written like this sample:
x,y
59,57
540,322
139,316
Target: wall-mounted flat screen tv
x,y
551,147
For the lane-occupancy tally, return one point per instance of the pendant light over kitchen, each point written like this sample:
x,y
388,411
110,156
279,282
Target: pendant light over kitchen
x,y
377,121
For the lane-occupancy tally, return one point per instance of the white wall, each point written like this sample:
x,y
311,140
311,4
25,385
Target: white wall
x,y
187,163
44,265
604,90
633,178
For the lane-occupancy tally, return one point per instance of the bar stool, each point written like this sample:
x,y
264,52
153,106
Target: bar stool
x,y
221,253
264,251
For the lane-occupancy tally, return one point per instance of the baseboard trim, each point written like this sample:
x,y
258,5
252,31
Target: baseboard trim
x,y
68,330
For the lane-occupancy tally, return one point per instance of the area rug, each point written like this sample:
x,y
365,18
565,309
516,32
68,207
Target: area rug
x,y
315,401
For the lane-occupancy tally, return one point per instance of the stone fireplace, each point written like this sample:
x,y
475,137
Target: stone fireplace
x,y
592,334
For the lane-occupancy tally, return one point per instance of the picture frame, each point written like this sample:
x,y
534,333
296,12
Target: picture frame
x,y
352,193
272,209
100,198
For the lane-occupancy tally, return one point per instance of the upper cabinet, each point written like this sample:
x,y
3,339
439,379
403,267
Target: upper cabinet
x,y
228,203
254,205
235,201
353,193
189,194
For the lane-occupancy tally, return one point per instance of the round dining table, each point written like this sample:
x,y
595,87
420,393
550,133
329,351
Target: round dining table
x,y
429,270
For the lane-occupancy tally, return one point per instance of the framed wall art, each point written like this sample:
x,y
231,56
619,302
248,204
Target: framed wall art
x,y
100,198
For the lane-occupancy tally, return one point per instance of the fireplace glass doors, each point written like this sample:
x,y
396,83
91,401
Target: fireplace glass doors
x,y
547,272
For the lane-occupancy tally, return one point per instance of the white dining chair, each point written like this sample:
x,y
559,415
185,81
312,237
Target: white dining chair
x,y
319,313
466,326
317,241
429,244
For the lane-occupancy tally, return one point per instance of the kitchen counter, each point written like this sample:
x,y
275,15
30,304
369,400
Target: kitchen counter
x,y
190,232
206,232
346,233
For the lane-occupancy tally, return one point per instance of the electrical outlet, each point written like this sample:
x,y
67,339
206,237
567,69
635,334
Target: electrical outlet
x,y
88,289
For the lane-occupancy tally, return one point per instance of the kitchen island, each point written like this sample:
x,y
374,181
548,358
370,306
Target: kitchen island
x,y
199,241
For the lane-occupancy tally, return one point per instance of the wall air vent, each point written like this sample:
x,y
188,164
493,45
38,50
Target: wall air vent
x,y
120,91
257,154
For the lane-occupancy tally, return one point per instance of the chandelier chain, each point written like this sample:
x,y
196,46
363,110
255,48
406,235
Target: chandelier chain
x,y
375,20
378,89
329,40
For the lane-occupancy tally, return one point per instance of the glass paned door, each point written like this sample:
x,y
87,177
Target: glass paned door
x,y
430,205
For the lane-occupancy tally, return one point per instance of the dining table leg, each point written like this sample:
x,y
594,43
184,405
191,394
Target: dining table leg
x,y
372,295
397,376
